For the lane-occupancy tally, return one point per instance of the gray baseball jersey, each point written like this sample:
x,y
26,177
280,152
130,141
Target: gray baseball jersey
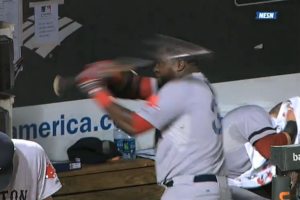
x,y
241,125
187,114
34,176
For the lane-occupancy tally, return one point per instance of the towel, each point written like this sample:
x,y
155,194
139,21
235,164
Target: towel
x,y
295,104
258,175
281,121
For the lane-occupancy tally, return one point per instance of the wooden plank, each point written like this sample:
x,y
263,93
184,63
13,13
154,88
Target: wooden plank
x,y
108,167
148,192
108,180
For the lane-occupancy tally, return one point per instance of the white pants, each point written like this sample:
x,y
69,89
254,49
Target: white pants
x,y
206,191
193,191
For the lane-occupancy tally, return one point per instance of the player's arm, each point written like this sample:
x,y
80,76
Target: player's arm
x,y
48,182
286,137
259,131
159,112
128,85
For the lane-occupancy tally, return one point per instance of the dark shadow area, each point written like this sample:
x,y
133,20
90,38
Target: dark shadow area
x,y
109,28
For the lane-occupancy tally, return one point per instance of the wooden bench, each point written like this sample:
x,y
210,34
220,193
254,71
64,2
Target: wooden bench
x,y
126,180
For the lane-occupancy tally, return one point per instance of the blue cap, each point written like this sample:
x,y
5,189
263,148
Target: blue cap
x,y
7,151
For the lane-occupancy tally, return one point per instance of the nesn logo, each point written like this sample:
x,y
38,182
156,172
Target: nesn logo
x,y
266,15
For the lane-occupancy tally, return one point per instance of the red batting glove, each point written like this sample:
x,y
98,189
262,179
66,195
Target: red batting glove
x,y
88,84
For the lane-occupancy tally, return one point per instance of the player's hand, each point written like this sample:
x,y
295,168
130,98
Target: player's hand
x,y
90,85
290,114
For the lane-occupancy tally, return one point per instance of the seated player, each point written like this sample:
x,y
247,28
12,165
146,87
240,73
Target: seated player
x,y
25,171
249,129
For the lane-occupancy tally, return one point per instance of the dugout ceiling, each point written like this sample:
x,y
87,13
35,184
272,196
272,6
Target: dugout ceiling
x,y
108,27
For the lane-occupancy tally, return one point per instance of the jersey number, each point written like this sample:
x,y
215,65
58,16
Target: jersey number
x,y
216,124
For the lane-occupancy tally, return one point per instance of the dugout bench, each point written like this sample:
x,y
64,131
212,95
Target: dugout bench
x,y
126,180
287,159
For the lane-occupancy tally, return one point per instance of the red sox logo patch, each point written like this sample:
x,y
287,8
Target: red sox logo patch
x,y
50,171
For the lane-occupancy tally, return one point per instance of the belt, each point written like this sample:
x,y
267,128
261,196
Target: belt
x,y
197,179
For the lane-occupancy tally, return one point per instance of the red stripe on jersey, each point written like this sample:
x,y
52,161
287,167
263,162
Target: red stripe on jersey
x,y
139,124
103,99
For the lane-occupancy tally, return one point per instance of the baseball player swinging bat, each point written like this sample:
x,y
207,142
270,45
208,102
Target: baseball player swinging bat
x,y
190,162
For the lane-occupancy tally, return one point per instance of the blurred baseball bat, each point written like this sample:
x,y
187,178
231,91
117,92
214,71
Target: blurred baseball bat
x,y
62,84
98,69
179,48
